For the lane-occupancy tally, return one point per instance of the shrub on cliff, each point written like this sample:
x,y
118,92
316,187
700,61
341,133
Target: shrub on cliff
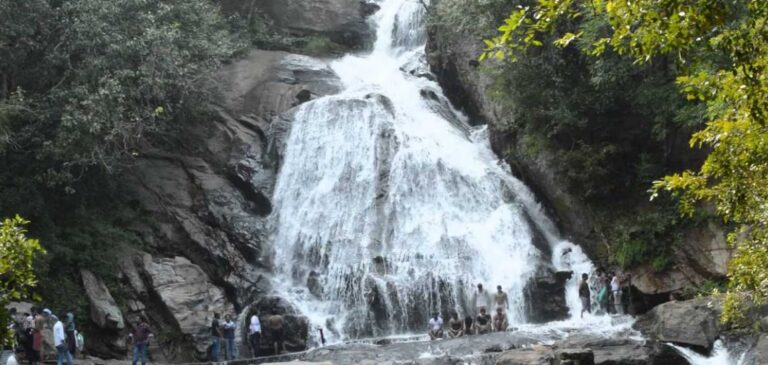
x,y
17,277
722,49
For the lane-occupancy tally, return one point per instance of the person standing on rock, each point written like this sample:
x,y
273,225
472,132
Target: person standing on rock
x,y
500,322
229,337
501,299
215,337
482,323
70,331
584,295
276,324
38,334
616,290
480,299
254,333
435,327
140,339
60,341
455,325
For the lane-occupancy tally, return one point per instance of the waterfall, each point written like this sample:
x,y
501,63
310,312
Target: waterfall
x,y
389,206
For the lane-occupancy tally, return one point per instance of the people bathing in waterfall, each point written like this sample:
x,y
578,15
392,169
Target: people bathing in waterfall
x,y
468,323
229,337
482,323
616,290
276,324
500,322
435,326
584,295
456,325
480,299
501,299
140,337
254,335
216,336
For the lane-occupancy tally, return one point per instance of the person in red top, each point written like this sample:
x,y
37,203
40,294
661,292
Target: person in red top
x,y
140,338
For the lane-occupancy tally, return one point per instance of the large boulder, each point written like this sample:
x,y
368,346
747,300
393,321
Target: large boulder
x,y
692,322
758,354
188,294
296,327
545,296
104,310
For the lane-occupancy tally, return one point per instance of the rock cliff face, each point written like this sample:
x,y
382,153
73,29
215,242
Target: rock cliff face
x,y
206,197
702,252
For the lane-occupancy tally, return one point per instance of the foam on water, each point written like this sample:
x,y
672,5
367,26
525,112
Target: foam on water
x,y
390,206
720,355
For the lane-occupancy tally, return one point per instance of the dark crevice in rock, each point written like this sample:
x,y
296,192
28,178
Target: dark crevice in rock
x,y
261,204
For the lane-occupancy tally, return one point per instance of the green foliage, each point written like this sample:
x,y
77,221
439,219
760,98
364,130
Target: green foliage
x,y
17,275
321,46
104,74
706,288
649,237
723,49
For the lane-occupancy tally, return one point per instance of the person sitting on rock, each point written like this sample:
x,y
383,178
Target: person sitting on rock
x,y
435,327
584,295
482,323
500,321
468,329
455,326
276,325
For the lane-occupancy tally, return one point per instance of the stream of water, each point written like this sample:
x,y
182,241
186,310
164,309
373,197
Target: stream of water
x,y
389,206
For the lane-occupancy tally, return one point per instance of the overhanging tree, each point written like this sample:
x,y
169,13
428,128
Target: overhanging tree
x,y
721,47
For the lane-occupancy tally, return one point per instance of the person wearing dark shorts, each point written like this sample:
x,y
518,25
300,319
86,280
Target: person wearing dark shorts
x,y
277,332
584,295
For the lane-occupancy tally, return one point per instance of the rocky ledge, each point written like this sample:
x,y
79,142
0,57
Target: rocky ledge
x,y
509,348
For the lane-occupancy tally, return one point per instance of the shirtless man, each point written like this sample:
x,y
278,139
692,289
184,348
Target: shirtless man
x,y
276,325
455,326
501,300
500,320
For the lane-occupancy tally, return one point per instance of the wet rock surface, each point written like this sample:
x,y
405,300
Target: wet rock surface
x,y
692,322
507,348
545,296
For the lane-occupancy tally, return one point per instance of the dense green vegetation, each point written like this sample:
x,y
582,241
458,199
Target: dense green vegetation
x,y
17,276
608,126
84,85
721,48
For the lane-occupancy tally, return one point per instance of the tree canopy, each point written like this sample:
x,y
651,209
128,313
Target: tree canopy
x,y
721,46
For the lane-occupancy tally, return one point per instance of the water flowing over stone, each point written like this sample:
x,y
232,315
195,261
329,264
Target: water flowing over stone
x,y
389,207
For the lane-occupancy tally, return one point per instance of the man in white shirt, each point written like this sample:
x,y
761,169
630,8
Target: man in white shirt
x,y
254,333
481,299
435,327
60,341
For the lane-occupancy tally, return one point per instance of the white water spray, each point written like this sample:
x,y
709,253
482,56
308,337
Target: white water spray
x,y
719,356
389,207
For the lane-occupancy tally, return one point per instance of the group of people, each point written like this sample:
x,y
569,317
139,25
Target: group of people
x,y
482,322
609,293
224,331
30,330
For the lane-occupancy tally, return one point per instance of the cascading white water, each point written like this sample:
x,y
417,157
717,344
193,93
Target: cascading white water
x,y
719,356
389,207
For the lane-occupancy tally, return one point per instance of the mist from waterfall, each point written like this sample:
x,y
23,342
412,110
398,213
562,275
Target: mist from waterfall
x,y
389,206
